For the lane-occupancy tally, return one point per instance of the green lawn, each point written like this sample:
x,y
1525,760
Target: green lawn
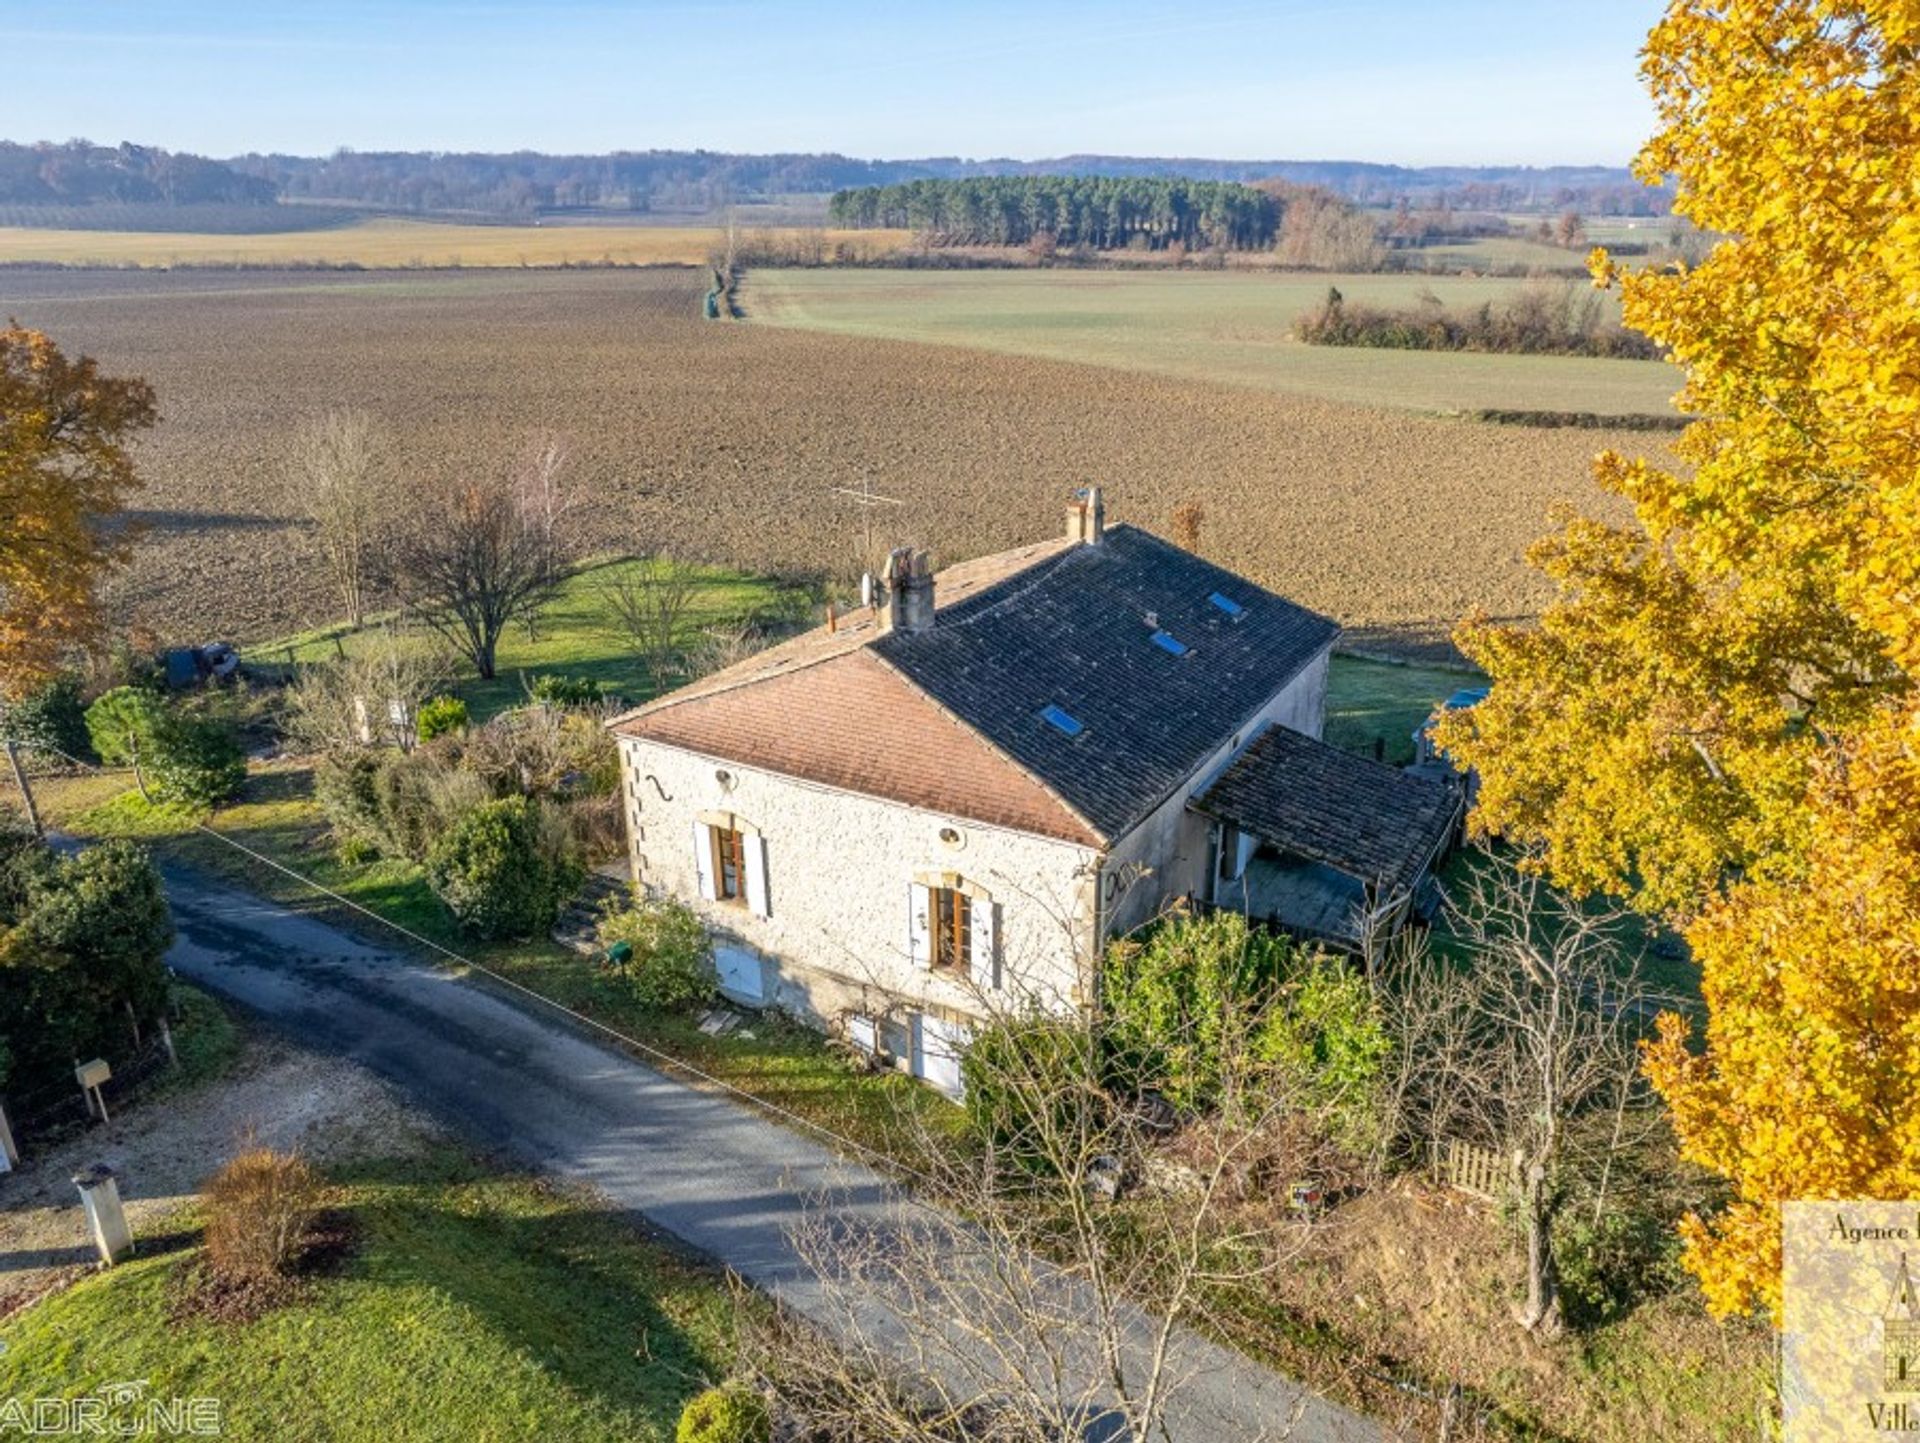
x,y
478,1307
1375,700
1233,327
576,635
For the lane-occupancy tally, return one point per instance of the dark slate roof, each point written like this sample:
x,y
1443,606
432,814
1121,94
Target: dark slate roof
x,y
1075,631
1359,816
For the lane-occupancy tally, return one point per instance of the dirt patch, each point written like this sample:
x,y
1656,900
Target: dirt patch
x,y
279,1096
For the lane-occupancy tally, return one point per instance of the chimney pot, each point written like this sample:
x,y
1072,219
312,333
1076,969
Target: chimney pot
x,y
1087,517
906,591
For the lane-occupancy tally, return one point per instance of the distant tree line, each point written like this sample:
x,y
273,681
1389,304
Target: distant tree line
x,y
525,183
1097,211
1539,320
80,173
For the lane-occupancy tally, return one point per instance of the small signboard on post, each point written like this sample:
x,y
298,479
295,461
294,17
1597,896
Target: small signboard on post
x,y
92,1076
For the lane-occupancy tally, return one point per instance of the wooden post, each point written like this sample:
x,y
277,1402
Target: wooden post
x,y
26,788
133,1021
166,1041
9,1154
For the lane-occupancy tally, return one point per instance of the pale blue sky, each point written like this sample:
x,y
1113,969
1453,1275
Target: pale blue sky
x,y
1409,81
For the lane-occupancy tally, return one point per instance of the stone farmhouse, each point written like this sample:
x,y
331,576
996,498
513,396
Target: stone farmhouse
x,y
944,804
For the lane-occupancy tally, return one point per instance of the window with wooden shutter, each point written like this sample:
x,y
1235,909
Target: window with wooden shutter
x,y
952,930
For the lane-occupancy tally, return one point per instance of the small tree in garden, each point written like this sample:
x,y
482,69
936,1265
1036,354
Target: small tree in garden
x,y
339,471
503,870
481,552
351,701
648,601
176,756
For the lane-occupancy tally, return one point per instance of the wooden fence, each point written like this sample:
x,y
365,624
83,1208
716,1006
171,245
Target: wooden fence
x,y
1472,1169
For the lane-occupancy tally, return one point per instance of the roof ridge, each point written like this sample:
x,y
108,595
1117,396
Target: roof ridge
x,y
991,745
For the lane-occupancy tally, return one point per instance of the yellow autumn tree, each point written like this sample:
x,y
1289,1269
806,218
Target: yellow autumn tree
x,y
64,473
1719,714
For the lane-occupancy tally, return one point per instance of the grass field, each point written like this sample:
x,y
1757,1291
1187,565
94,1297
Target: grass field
x,y
479,1306
1233,327
387,243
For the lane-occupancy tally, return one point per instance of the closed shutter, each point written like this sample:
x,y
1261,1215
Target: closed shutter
x,y
985,961
920,925
703,861
755,846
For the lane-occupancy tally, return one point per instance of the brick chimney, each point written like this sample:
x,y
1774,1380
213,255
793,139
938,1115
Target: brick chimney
x,y
906,591
1087,517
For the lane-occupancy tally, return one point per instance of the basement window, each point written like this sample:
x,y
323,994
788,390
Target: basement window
x,y
1232,608
1170,643
1062,721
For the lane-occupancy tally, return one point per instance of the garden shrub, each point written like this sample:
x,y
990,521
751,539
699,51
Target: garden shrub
x,y
440,716
195,760
567,691
50,721
184,757
728,1414
1032,1084
671,966
1321,1037
344,790
87,939
1181,996
120,723
260,1209
500,870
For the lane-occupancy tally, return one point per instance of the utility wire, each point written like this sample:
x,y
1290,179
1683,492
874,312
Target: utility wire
x,y
677,1064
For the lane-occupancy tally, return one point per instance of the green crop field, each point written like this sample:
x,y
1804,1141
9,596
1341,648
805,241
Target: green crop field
x,y
1231,327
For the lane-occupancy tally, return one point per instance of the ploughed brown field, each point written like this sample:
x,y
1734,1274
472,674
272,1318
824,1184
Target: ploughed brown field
x,y
724,439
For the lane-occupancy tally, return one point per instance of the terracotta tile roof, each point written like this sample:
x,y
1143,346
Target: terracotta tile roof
x,y
852,722
1359,816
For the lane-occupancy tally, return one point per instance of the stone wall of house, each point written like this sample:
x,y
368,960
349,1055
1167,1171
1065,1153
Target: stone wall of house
x,y
1166,856
839,872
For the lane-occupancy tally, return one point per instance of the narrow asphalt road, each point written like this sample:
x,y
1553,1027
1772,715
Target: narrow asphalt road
x,y
708,1170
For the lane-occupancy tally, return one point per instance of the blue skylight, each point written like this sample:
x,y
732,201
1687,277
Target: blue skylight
x,y
1233,609
1061,721
1166,641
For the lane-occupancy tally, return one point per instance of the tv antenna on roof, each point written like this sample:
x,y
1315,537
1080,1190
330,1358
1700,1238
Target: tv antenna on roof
x,y
866,498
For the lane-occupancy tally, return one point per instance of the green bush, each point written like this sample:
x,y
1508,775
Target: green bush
x,y
1322,1039
1182,997
729,1414
195,761
186,758
440,716
50,720
88,937
120,723
1610,1264
343,786
395,803
1034,1091
671,961
501,870
567,691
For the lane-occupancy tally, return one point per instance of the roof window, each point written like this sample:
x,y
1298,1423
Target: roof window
x,y
1061,720
1232,608
1168,642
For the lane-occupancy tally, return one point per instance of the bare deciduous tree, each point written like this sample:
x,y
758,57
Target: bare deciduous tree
x,y
338,471
369,695
1541,1030
648,600
484,551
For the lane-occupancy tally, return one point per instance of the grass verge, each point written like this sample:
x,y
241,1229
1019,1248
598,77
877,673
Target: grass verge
x,y
478,1306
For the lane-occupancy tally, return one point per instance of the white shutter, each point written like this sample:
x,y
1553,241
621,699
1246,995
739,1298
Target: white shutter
x,y
703,861
1249,844
985,961
863,1034
755,846
920,925
937,1048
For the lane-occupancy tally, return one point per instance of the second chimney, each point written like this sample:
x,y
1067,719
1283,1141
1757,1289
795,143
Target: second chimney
x,y
1087,517
906,591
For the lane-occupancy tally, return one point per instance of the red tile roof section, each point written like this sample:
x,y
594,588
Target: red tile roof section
x,y
852,722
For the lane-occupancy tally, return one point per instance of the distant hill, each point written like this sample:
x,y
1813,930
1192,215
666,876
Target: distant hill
x,y
523,184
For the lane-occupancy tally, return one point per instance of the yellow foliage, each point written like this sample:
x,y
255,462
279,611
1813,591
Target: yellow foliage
x,y
1720,715
64,472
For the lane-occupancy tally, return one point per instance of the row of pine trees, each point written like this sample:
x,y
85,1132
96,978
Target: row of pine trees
x,y
1105,212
